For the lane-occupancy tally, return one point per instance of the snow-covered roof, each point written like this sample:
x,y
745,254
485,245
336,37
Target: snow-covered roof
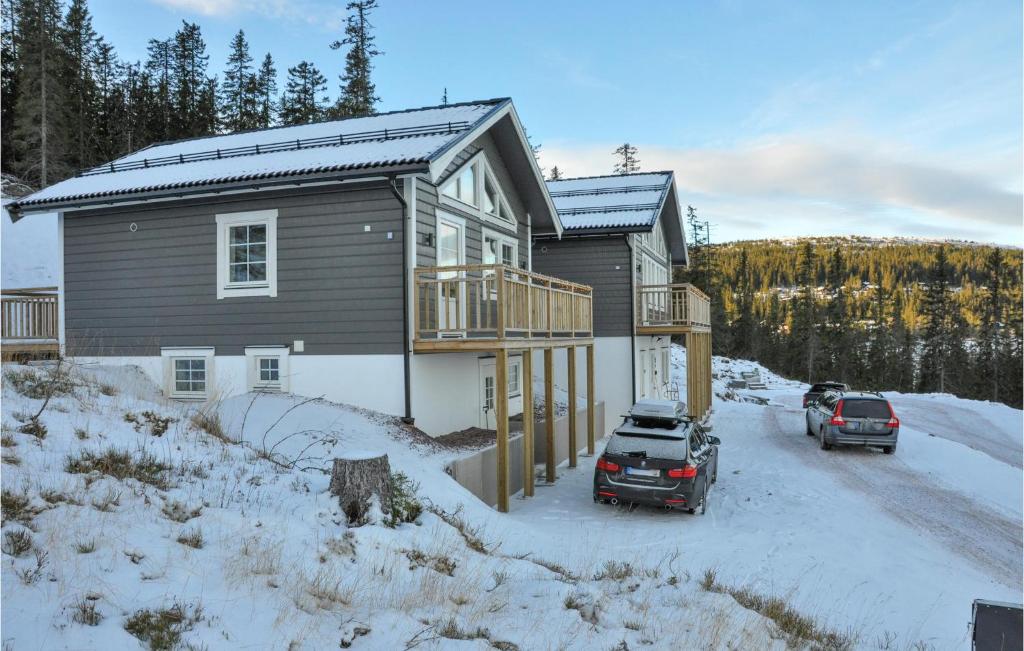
x,y
383,142
623,203
605,202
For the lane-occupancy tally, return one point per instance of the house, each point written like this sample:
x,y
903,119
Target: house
x,y
382,261
622,235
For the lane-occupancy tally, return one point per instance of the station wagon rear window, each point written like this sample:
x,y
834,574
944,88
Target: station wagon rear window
x,y
650,447
865,409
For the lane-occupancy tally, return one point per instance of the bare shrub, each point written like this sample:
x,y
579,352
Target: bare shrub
x,y
30,575
33,427
84,612
404,507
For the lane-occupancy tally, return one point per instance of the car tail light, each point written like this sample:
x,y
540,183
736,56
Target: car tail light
x,y
686,472
894,422
607,466
837,418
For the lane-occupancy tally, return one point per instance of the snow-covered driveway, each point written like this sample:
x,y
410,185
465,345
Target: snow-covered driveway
x,y
858,538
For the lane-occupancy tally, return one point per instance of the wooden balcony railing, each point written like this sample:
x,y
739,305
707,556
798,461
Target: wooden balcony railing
x,y
672,308
474,302
29,322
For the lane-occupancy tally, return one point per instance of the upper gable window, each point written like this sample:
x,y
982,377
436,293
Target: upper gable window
x,y
247,254
476,186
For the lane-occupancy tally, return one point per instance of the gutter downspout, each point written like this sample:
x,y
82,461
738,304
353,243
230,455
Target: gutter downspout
x,y
408,419
632,313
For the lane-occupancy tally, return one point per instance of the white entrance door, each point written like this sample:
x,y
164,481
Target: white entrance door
x,y
451,251
488,387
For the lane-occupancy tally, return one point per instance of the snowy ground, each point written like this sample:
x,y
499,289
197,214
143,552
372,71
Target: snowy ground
x,y
864,542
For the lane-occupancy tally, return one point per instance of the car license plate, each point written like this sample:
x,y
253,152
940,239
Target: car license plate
x,y
853,426
641,472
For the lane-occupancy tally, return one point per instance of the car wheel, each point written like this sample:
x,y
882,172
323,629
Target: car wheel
x,y
825,445
889,450
810,432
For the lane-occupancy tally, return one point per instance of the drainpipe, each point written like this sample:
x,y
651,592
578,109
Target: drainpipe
x,y
408,419
632,313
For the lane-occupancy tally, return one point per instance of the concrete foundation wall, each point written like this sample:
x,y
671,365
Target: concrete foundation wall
x,y
477,472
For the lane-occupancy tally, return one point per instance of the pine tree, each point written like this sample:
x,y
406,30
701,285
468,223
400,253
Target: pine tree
x,y
80,45
880,347
556,174
937,336
803,359
194,107
238,106
744,341
160,73
834,345
627,162
302,101
358,93
108,110
266,91
9,75
39,134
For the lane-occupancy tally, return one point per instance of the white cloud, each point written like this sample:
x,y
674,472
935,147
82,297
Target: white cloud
x,y
804,187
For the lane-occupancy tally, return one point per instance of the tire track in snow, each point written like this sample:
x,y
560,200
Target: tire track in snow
x,y
980,535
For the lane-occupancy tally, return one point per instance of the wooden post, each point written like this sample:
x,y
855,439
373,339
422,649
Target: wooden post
x,y
590,400
573,446
501,404
527,382
692,392
549,412
707,340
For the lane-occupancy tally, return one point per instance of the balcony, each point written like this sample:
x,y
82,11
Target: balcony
x,y
29,320
672,309
489,307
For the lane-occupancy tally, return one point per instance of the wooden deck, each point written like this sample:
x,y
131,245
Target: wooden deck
x,y
29,323
496,307
682,309
672,309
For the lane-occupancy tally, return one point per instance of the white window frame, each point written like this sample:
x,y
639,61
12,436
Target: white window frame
x,y
253,355
515,363
170,355
500,238
225,222
482,171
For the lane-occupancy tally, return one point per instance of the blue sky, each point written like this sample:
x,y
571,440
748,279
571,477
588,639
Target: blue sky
x,y
780,118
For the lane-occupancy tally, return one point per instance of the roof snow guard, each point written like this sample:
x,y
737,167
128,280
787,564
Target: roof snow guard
x,y
622,202
625,203
385,143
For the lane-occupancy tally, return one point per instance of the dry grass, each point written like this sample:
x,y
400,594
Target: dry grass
x,y
86,546
179,512
121,464
16,542
192,538
161,629
208,420
156,424
84,612
437,562
469,533
17,507
33,427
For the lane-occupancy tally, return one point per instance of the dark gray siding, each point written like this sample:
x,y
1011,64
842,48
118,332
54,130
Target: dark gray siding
x,y
601,262
428,204
339,287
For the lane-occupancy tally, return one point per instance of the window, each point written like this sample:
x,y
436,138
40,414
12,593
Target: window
x,y
500,249
247,254
489,393
267,368
190,375
188,372
514,385
475,185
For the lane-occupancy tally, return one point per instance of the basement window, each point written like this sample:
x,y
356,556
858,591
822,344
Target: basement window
x,y
188,372
267,368
247,254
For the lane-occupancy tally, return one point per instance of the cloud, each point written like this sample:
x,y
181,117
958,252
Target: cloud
x,y
320,13
800,178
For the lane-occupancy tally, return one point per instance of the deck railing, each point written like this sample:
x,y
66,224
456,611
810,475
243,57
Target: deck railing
x,y
498,302
665,306
29,314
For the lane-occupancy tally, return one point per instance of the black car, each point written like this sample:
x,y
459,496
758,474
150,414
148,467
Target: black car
x,y
658,457
821,387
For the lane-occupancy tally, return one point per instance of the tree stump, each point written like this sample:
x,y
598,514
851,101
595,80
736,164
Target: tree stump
x,y
358,476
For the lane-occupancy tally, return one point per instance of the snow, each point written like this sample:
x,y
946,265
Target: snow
x,y
29,250
635,205
862,541
323,158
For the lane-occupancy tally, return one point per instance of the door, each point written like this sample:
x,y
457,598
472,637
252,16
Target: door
x,y
488,414
451,252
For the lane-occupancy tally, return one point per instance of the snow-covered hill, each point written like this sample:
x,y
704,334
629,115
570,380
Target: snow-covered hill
x,y
230,539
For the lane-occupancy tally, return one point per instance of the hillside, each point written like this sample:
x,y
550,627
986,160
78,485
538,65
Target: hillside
x,y
895,314
227,536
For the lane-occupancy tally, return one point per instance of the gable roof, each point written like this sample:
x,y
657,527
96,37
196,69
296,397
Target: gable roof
x,y
408,141
622,203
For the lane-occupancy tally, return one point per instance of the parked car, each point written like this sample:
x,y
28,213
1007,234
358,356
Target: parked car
x,y
658,457
853,418
821,387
